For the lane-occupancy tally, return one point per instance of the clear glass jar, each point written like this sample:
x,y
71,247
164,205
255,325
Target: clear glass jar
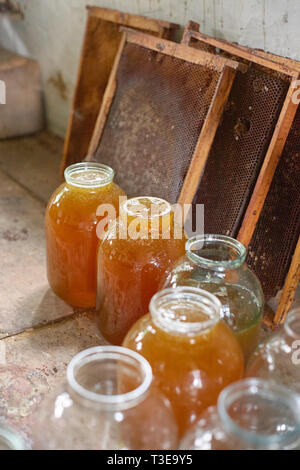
x,y
193,354
10,440
216,263
71,224
108,402
278,357
252,414
139,247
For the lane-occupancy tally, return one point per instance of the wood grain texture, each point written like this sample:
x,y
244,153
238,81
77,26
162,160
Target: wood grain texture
x,y
290,286
192,31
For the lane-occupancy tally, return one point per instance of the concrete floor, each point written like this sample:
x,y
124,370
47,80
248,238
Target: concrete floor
x,y
39,334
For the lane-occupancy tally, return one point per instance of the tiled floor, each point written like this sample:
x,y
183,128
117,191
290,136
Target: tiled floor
x,y
39,333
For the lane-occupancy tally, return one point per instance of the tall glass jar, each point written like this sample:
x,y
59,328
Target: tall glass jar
x,y
216,263
108,402
192,353
139,247
71,224
251,414
278,357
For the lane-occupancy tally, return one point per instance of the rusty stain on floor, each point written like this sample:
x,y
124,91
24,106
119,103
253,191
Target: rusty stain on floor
x,y
39,333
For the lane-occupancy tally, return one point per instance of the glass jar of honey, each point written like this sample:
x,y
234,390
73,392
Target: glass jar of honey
x,y
216,263
137,250
109,402
71,237
251,414
193,354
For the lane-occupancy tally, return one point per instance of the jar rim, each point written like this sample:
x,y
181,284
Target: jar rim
x,y
267,389
146,214
293,317
118,353
219,265
107,172
209,303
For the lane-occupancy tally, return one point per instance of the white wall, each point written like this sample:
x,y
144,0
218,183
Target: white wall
x,y
52,33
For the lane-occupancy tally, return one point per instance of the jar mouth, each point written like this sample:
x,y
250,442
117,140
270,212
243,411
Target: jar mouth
x,y
146,207
270,402
292,324
89,175
109,377
10,440
185,310
217,252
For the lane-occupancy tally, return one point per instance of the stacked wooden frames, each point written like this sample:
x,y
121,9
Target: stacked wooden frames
x,y
270,224
100,46
159,115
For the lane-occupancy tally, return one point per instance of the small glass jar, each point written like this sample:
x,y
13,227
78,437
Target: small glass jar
x,y
137,250
10,440
71,224
108,402
251,414
216,263
193,354
278,357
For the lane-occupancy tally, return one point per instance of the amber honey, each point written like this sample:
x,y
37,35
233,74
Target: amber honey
x,y
71,224
193,354
131,263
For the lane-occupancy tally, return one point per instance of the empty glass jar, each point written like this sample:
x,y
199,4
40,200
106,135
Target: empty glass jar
x,y
251,415
71,230
278,358
108,402
192,353
136,252
10,440
216,263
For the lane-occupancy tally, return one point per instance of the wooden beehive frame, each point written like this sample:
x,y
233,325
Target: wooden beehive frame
x,y
227,69
290,68
293,276
100,45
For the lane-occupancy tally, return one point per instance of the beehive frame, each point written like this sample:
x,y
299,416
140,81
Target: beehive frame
x,y
100,45
293,276
225,67
272,157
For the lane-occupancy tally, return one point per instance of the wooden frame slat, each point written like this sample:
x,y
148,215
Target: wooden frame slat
x,y
227,69
100,45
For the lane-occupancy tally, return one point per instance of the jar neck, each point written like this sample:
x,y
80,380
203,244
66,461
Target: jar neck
x,y
215,252
292,325
110,378
262,414
186,311
89,175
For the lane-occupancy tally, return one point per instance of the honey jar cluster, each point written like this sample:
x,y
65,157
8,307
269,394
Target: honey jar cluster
x,y
183,317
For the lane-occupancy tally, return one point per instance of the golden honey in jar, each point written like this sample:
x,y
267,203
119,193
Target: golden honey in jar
x,y
71,231
192,352
137,250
